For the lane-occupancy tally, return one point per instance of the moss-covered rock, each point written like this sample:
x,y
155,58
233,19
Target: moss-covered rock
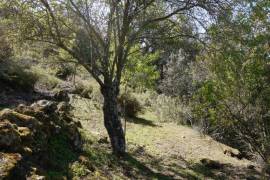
x,y
43,134
9,136
8,162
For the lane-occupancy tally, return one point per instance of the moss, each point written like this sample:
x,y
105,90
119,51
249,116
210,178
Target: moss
x,y
60,151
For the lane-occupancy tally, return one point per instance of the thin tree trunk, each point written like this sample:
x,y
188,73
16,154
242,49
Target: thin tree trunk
x,y
112,121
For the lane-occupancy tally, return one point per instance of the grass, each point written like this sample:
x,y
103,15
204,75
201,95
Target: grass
x,y
155,150
45,79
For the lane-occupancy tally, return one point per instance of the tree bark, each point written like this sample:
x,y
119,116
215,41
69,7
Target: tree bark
x,y
112,121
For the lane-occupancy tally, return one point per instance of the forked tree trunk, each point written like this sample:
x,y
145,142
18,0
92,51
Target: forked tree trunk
x,y
112,121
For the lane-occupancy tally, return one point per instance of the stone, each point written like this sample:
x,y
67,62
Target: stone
x,y
30,111
27,151
36,177
45,106
8,162
9,136
25,134
19,119
83,159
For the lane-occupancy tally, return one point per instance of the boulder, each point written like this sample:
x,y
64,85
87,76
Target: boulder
x,y
8,162
26,151
19,119
27,130
25,134
36,177
9,136
45,105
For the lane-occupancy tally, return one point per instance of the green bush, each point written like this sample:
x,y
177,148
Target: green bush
x,y
17,76
44,79
12,73
84,90
64,71
78,170
169,109
129,105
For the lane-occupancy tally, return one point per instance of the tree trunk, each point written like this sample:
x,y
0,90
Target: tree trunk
x,y
112,121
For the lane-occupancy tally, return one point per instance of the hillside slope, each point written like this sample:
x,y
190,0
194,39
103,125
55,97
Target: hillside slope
x,y
165,151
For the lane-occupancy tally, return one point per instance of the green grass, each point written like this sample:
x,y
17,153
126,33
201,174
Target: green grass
x,y
156,150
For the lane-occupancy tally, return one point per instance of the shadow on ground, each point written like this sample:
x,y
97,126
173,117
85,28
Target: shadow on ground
x,y
142,121
176,167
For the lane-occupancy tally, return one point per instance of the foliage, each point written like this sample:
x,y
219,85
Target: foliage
x,y
182,74
129,105
83,89
60,152
44,79
78,170
233,103
169,109
140,70
6,50
64,71
17,76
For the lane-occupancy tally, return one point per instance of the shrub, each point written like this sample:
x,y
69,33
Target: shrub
x,y
44,79
78,170
64,71
5,48
12,73
169,109
83,89
17,76
129,105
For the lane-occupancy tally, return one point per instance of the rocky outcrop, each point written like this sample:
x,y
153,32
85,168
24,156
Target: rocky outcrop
x,y
8,162
25,135
9,136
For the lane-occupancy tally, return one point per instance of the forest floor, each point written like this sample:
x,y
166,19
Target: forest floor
x,y
162,150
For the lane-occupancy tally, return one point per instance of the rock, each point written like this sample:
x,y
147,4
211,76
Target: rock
x,y
8,162
45,106
211,163
30,111
27,130
36,177
19,119
83,159
25,134
27,151
9,136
